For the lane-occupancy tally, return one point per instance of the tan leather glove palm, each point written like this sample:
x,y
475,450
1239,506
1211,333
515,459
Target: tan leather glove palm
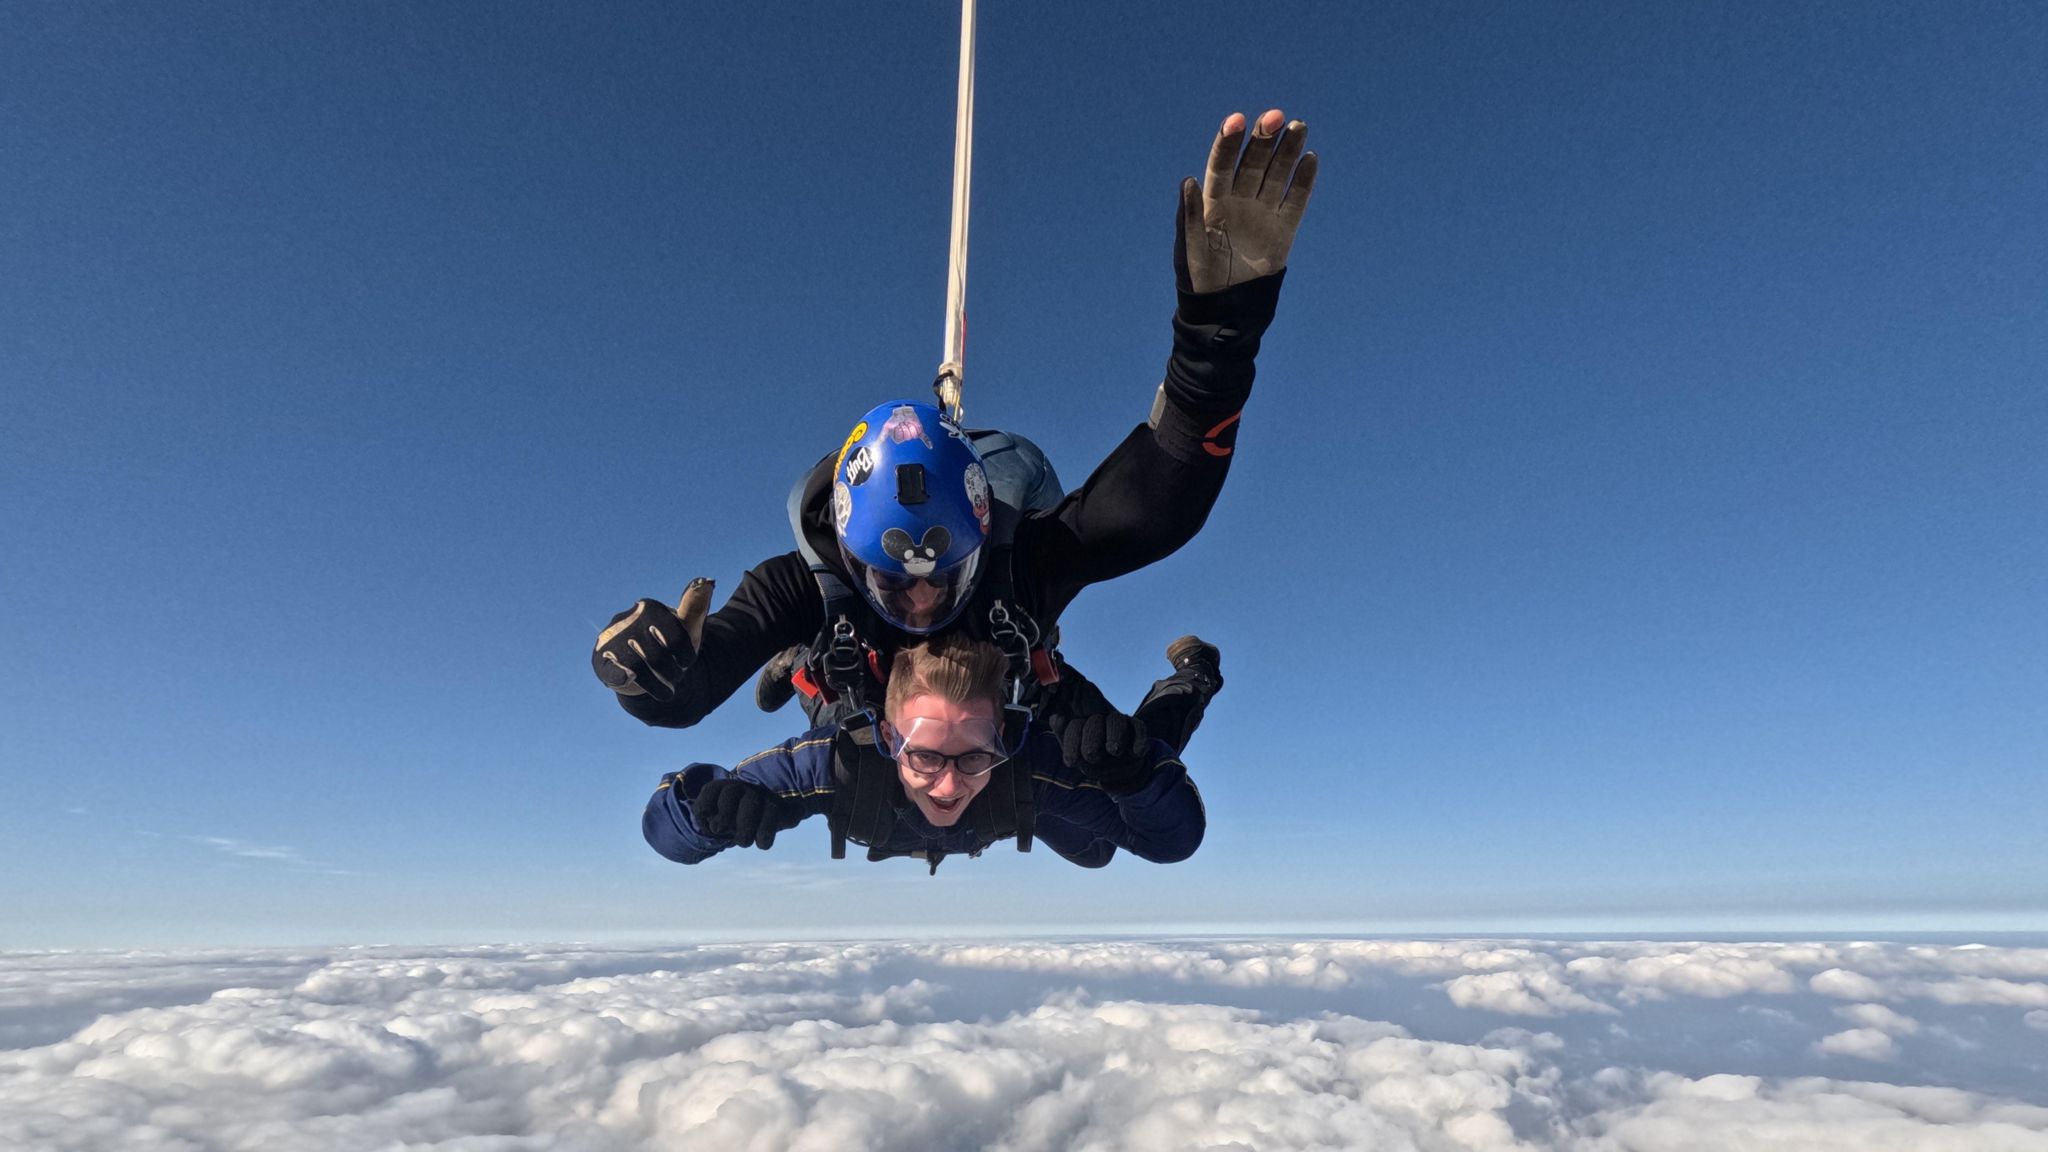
x,y
1239,223
646,649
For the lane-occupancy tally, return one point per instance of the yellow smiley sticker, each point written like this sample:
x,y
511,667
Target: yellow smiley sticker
x,y
852,438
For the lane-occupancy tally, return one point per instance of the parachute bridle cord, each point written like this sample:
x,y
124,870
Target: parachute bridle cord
x,y
952,368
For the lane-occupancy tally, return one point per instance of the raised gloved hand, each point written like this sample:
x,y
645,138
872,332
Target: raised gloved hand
x,y
743,812
646,649
1108,748
1239,223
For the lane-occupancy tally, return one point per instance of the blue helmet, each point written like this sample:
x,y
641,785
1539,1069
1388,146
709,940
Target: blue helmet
x,y
910,503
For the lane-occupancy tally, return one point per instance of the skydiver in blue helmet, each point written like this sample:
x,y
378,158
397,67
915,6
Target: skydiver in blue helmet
x,y
914,526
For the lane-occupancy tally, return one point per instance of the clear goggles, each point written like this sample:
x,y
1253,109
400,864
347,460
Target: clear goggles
x,y
989,743
917,603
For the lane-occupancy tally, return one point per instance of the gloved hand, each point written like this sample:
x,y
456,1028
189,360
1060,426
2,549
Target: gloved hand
x,y
646,649
1108,748
1239,224
1067,697
743,812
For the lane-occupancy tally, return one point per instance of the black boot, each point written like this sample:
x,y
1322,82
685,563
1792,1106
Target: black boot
x,y
1200,659
1173,709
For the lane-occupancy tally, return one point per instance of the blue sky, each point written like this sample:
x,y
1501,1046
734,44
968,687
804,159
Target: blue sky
x,y
1638,523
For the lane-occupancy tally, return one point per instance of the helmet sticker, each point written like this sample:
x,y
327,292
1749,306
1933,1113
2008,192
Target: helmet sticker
x,y
852,438
861,465
921,556
977,494
842,506
903,425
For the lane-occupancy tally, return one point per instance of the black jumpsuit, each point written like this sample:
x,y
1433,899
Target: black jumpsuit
x,y
1147,499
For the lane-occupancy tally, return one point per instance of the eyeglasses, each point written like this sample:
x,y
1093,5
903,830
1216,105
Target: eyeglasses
x,y
1008,733
929,763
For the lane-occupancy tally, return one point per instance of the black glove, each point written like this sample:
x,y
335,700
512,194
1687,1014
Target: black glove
x,y
743,812
1108,749
644,650
1072,695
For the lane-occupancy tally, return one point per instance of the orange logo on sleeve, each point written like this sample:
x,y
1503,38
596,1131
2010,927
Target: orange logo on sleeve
x,y
1222,439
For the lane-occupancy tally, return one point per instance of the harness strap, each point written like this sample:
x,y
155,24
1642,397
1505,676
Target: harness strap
x,y
988,822
1024,807
1009,626
860,796
844,664
841,816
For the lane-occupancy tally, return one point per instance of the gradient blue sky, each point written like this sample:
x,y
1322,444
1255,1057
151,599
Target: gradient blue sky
x,y
1640,522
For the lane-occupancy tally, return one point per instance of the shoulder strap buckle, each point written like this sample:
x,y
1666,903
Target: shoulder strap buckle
x,y
1017,634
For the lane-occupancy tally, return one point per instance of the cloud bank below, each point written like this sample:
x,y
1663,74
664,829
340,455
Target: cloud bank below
x,y
1428,1045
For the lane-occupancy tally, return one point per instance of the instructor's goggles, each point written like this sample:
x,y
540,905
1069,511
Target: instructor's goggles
x,y
920,604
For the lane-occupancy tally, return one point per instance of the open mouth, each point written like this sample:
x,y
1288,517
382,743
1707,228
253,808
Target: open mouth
x,y
947,805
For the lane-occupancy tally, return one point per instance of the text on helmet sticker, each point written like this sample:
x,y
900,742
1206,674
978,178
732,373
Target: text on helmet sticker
x,y
860,465
852,438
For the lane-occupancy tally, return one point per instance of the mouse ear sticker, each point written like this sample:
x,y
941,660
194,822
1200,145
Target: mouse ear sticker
x,y
977,494
842,506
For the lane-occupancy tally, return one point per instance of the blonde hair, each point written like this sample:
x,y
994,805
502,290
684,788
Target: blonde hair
x,y
951,665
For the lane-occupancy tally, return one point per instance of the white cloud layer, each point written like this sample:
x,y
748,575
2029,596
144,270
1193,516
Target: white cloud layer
x,y
1879,1017
1862,1043
1431,1046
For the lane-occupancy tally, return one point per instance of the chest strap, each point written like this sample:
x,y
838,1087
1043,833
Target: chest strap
x,y
864,789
